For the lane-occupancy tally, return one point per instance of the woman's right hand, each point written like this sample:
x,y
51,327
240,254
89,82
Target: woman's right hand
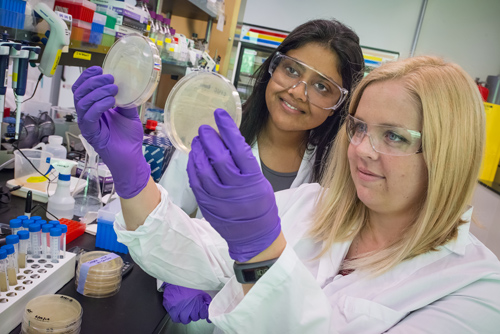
x,y
115,133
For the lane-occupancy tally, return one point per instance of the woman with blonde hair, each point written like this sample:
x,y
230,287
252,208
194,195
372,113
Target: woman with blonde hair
x,y
382,245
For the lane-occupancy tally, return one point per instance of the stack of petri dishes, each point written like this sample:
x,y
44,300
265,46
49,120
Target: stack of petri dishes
x,y
52,314
103,279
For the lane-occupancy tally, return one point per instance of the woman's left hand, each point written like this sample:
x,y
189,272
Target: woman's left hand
x,y
231,191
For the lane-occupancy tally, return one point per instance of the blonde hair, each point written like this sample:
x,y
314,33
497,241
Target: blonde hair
x,y
452,141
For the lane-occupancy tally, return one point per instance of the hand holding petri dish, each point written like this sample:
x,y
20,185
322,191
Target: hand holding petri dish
x,y
192,103
135,63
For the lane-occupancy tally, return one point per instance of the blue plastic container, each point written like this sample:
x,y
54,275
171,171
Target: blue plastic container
x,y
106,236
12,13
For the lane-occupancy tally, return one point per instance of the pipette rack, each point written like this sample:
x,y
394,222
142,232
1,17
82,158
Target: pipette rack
x,y
40,277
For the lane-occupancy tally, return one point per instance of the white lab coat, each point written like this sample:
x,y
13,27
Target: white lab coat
x,y
175,179
455,289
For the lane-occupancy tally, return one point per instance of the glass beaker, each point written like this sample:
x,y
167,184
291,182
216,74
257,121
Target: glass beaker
x,y
88,198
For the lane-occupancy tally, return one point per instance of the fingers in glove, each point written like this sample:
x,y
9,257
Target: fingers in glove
x,y
185,313
220,157
93,85
88,73
129,113
88,101
235,143
201,173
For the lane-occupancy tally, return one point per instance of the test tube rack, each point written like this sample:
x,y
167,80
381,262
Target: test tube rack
x,y
40,277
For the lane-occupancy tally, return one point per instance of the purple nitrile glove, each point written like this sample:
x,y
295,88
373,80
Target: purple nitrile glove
x,y
231,191
115,133
185,304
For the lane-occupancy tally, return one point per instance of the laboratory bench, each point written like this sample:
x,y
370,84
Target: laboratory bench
x,y
136,308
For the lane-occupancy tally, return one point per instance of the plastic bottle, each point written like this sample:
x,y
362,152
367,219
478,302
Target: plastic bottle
x,y
61,204
160,35
152,31
56,147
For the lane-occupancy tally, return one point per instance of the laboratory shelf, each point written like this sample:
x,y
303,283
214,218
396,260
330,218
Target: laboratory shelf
x,y
191,9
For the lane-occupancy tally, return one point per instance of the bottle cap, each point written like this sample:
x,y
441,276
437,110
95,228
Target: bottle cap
x,y
55,140
55,232
15,223
9,249
42,222
3,254
36,218
23,235
64,177
35,227
151,124
64,228
46,228
12,239
23,217
27,223
54,222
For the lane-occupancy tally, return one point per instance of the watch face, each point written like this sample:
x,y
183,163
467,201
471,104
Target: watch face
x,y
252,275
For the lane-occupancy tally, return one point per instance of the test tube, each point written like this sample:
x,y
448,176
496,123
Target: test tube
x,y
4,283
11,265
46,240
36,240
27,223
24,239
14,241
55,241
15,225
23,217
64,230
35,218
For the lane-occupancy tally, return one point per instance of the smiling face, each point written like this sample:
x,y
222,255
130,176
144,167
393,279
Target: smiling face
x,y
385,183
289,109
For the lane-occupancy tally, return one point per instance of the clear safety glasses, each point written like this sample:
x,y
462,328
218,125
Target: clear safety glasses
x,y
384,139
320,90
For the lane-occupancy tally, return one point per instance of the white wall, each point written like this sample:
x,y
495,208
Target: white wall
x,y
464,31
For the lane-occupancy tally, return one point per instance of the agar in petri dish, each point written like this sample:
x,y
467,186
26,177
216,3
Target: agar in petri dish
x,y
135,63
192,103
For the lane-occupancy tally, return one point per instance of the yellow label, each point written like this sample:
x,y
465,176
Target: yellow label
x,y
217,68
82,55
36,179
159,42
153,40
168,40
14,77
171,50
56,62
148,28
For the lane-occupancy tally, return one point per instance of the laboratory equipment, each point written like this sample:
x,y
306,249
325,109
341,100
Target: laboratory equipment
x,y
64,230
24,169
98,274
36,218
23,217
21,58
24,239
88,199
55,223
52,314
192,103
56,147
61,204
36,240
58,39
46,240
105,237
14,241
28,204
55,242
4,282
133,56
15,225
11,264
27,223
5,46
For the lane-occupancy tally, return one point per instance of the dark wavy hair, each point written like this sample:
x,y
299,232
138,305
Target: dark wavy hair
x,y
338,38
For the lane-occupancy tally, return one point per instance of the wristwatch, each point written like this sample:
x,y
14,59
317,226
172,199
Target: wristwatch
x,y
249,273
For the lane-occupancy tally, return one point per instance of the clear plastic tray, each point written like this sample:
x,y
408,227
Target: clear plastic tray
x,y
135,63
52,314
192,103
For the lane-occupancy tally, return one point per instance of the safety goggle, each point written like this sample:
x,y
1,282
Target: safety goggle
x,y
385,139
320,90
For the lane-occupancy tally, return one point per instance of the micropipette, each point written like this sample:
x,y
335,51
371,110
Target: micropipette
x,y
5,46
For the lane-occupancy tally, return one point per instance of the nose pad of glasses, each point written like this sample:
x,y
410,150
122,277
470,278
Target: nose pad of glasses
x,y
297,84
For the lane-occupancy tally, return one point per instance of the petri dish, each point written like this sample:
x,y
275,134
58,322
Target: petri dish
x,y
52,314
135,63
104,279
192,103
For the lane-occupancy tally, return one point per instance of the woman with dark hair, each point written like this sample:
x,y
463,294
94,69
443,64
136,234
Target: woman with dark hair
x,y
290,121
